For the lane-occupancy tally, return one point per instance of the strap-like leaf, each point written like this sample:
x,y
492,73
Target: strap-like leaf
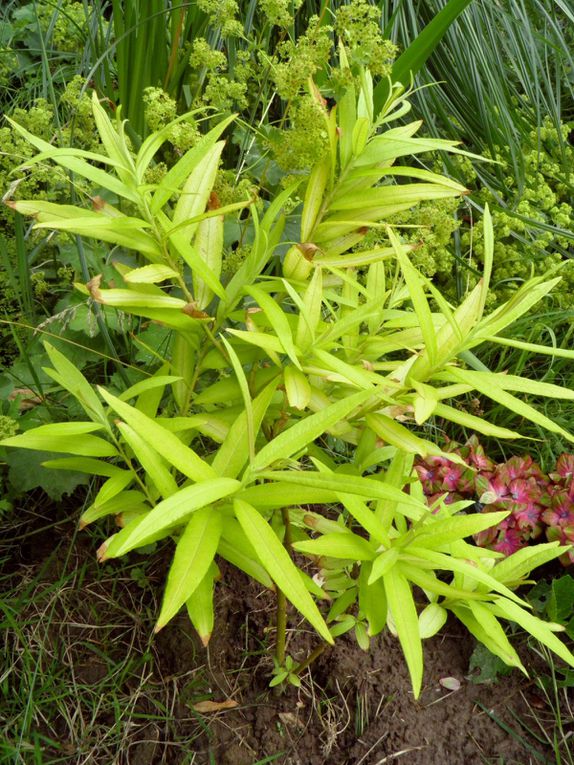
x,y
193,557
168,444
403,609
168,514
307,430
280,567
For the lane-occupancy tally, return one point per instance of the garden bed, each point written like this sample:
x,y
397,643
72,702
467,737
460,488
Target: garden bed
x,y
89,684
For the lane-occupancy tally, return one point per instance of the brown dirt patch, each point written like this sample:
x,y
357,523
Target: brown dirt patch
x,y
131,697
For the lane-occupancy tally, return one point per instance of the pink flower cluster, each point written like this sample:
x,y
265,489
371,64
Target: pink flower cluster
x,y
540,504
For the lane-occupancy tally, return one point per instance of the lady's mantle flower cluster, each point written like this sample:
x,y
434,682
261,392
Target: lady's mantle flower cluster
x,y
539,504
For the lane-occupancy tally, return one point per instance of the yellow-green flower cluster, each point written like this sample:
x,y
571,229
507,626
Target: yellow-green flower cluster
x,y
359,27
222,89
160,110
299,146
523,248
223,15
295,62
278,13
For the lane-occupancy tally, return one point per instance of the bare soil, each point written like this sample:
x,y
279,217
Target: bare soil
x,y
353,708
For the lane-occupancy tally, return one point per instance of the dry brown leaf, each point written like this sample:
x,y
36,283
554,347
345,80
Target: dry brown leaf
x,y
214,706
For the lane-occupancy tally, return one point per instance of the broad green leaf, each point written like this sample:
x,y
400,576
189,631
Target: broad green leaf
x,y
395,434
449,563
114,485
246,395
190,255
157,381
134,299
297,388
169,513
347,546
383,563
309,319
196,190
236,548
269,343
482,612
193,557
438,533
495,642
209,244
488,256
277,319
152,274
518,565
313,202
269,495
372,601
70,159
200,605
347,373
150,460
364,516
428,581
183,169
281,569
307,430
168,444
519,304
478,424
431,620
403,609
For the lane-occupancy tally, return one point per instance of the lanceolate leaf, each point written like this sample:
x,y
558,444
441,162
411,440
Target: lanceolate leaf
x,y
339,484
234,451
65,437
347,546
307,430
536,627
150,460
168,444
200,605
168,514
193,557
281,569
403,609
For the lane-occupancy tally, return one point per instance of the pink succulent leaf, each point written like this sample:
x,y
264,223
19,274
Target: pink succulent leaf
x,y
487,537
561,510
452,477
478,459
565,466
492,489
527,516
509,542
525,490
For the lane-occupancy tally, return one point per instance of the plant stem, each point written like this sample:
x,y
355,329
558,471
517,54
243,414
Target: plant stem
x,y
281,600
281,627
310,659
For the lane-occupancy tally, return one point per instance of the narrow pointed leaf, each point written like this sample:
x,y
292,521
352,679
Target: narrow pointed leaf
x,y
193,557
281,569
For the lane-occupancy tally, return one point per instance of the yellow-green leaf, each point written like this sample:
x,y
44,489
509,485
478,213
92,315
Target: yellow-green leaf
x,y
280,567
